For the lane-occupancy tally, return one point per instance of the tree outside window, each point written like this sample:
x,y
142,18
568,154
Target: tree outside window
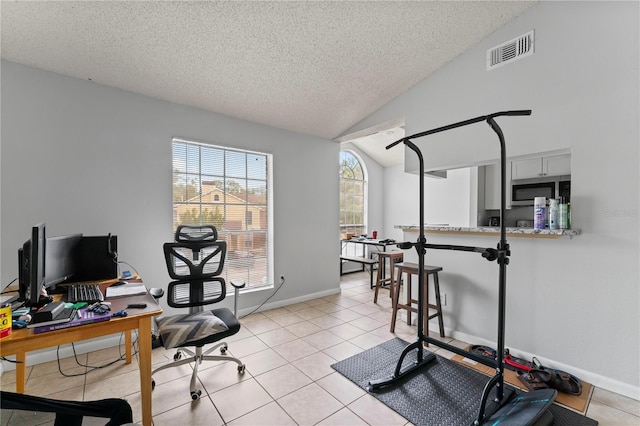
x,y
353,187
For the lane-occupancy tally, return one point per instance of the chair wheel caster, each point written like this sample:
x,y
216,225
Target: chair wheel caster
x,y
177,356
153,384
195,395
241,369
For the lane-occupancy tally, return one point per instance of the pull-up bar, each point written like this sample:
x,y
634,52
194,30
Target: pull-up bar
x,y
487,253
501,254
461,124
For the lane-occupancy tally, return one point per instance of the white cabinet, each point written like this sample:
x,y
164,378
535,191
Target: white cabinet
x,y
492,187
526,169
554,165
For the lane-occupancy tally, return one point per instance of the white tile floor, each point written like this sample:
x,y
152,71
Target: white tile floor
x,y
288,381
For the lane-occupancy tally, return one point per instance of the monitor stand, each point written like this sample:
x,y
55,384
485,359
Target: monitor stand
x,y
43,300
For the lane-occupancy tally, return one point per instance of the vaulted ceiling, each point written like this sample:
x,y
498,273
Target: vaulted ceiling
x,y
316,68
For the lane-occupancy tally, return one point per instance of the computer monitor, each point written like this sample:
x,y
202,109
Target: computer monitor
x,y
32,266
62,259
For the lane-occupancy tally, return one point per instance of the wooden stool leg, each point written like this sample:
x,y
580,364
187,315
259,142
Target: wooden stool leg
x,y
391,280
394,301
436,286
425,307
408,292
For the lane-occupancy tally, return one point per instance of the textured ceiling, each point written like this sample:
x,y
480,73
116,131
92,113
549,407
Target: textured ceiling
x,y
311,67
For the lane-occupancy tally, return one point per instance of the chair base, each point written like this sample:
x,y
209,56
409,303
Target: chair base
x,y
197,357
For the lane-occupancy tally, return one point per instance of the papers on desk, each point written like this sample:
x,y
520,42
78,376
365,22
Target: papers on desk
x,y
129,289
8,298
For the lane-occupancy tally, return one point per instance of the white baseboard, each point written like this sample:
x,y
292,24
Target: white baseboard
x,y
598,380
280,303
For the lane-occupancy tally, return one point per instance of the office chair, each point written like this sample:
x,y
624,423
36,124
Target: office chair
x,y
70,413
195,260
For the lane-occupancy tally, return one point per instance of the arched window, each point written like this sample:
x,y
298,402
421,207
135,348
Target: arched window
x,y
353,194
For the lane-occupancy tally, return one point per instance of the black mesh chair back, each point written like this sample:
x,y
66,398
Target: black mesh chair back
x,y
195,261
196,233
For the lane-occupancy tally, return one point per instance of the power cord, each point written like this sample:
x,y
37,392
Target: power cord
x,y
282,280
9,291
96,367
118,262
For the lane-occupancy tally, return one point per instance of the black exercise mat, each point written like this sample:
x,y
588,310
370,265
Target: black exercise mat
x,y
441,393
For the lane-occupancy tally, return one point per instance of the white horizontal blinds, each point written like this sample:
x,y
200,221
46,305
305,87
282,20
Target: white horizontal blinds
x,y
212,184
186,186
246,193
230,189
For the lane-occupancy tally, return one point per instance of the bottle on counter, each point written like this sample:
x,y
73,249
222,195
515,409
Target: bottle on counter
x,y
563,213
554,214
539,212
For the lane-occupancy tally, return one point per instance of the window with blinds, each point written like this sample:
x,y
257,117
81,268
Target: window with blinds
x,y
230,189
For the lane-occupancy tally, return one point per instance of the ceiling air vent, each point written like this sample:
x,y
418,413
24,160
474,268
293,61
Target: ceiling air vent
x,y
510,51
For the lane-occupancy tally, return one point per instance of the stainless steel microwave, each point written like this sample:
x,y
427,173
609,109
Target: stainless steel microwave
x,y
523,191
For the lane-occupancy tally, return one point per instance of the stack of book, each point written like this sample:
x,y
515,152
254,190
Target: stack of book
x,y
67,318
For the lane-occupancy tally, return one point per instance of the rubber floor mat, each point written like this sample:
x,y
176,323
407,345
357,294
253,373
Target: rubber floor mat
x,y
441,393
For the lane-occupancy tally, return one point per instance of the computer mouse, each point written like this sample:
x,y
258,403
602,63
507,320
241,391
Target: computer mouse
x,y
117,283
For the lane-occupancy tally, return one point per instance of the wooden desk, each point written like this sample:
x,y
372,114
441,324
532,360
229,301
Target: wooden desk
x,y
22,341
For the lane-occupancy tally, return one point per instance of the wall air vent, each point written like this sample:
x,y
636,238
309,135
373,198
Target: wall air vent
x,y
510,51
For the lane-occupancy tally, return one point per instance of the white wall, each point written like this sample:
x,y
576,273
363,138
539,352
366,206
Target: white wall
x,y
93,159
447,200
575,303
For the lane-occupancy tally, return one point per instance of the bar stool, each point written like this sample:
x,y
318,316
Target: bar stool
x,y
412,269
381,281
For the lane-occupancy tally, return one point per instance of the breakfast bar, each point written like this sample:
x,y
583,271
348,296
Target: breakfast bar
x,y
493,231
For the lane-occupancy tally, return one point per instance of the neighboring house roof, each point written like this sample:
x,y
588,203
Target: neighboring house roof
x,y
248,198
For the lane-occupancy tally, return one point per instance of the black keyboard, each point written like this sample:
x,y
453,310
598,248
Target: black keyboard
x,y
89,293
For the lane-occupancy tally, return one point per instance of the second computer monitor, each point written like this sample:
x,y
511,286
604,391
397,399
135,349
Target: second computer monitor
x,y
62,259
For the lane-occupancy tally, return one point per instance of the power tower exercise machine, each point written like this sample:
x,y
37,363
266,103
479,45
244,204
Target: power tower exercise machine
x,y
507,407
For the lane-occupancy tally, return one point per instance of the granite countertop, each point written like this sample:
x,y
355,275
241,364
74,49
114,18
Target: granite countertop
x,y
491,230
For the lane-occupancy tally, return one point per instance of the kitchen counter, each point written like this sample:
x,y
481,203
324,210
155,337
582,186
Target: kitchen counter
x,y
493,231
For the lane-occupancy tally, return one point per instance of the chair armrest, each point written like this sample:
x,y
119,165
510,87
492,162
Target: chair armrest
x,y
156,292
237,285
